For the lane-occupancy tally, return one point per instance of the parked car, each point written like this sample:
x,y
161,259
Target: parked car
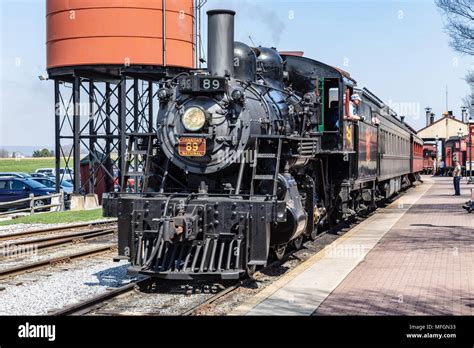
x,y
45,171
13,189
64,174
130,182
39,175
66,186
16,175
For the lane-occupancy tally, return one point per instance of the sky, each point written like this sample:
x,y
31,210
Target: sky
x,y
397,49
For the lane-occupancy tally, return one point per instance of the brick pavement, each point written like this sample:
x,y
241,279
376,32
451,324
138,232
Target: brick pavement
x,y
424,265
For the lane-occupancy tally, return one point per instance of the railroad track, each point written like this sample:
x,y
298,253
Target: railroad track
x,y
14,247
25,234
56,240
34,266
96,302
89,305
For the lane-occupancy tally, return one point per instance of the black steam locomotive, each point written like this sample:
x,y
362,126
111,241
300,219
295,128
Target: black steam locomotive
x,y
253,155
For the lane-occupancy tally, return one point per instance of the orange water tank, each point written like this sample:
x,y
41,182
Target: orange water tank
x,y
120,32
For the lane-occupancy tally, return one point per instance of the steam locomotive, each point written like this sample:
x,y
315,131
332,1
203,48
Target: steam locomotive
x,y
253,155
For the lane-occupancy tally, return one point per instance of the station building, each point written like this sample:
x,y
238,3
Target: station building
x,y
448,139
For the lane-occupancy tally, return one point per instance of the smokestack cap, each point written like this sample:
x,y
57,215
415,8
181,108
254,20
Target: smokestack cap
x,y
212,12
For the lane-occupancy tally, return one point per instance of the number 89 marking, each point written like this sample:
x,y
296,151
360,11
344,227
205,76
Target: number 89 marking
x,y
192,147
207,84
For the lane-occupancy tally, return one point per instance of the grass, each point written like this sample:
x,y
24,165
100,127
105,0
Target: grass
x,y
56,218
26,165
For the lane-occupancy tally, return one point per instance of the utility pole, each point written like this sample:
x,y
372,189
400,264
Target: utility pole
x,y
447,98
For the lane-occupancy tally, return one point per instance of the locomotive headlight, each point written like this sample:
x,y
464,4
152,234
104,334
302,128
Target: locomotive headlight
x,y
193,119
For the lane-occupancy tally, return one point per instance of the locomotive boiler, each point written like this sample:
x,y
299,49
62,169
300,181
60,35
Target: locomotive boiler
x,y
252,155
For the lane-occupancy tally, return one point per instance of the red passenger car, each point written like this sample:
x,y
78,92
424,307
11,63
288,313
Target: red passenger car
x,y
417,154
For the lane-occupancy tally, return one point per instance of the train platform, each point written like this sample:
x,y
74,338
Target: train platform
x,y
414,257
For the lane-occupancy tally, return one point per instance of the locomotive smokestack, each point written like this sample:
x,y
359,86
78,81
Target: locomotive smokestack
x,y
220,42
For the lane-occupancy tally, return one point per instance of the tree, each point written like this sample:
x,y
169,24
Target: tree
x,y
460,19
469,99
43,153
3,153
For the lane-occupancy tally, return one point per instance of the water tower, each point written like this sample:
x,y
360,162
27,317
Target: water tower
x,y
107,58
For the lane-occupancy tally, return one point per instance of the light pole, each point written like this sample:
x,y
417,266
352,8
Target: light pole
x,y
471,126
436,154
456,159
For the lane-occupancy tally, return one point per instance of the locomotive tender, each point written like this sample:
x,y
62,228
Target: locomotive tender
x,y
253,154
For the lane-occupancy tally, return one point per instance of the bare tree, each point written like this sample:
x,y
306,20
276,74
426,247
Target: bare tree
x,y
460,19
470,77
3,153
468,100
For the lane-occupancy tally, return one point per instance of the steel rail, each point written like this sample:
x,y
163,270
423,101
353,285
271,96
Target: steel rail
x,y
91,304
13,271
53,241
53,229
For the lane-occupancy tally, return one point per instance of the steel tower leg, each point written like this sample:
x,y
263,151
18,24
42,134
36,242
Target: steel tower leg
x,y
76,132
57,132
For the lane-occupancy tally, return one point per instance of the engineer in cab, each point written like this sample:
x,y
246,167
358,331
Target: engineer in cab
x,y
353,110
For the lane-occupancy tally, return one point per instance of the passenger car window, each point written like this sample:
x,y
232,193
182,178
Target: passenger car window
x,y
18,186
4,185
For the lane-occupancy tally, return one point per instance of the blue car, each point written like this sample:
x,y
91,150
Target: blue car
x,y
16,175
65,186
13,189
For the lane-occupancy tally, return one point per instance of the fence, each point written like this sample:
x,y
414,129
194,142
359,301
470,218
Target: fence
x,y
33,204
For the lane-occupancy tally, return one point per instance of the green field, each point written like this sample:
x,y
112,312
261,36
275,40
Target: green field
x,y
57,218
27,165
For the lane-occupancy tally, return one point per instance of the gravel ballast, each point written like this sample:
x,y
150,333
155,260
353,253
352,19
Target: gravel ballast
x,y
42,292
